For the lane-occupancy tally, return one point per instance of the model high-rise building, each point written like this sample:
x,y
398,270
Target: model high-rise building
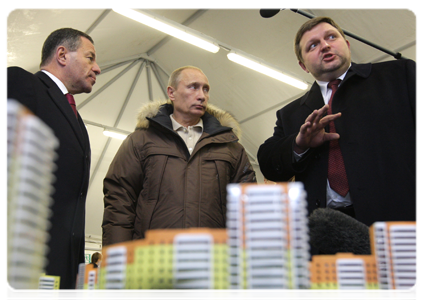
x,y
265,246
87,285
30,164
48,287
391,265
394,246
193,258
343,271
267,236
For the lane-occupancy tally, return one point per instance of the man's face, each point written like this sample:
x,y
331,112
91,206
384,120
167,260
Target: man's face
x,y
82,68
191,95
326,54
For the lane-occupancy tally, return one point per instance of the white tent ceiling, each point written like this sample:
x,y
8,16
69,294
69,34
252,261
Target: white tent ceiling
x,y
137,60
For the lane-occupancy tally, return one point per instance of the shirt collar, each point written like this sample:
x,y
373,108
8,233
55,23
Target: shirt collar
x,y
56,80
324,84
176,125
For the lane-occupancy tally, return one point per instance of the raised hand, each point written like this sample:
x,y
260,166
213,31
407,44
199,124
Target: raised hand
x,y
312,133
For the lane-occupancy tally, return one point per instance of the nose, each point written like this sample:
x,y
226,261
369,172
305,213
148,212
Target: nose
x,y
325,45
96,69
201,95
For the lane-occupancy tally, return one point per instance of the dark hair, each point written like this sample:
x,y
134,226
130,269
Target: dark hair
x,y
307,26
68,37
95,257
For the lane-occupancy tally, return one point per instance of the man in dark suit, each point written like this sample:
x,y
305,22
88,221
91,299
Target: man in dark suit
x,y
68,65
373,113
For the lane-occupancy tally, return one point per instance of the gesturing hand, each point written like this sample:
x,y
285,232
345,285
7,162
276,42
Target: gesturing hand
x,y
312,133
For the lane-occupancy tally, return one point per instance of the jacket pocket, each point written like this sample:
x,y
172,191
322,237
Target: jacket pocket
x,y
221,172
154,166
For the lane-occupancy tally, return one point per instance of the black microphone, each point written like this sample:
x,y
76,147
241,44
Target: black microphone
x,y
332,231
268,13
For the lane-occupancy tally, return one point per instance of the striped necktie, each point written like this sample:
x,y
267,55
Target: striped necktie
x,y
337,175
71,101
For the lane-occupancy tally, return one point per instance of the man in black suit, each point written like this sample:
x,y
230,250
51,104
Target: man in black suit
x,y
373,113
68,65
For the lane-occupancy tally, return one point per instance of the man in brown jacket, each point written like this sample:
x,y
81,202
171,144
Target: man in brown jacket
x,y
173,170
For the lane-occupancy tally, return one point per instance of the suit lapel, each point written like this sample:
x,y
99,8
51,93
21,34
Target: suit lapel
x,y
62,103
340,102
362,70
313,98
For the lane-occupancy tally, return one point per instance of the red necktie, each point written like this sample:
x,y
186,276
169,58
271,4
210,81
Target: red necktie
x,y
71,101
336,168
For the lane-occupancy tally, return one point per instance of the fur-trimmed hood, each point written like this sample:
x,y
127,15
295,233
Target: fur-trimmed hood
x,y
151,109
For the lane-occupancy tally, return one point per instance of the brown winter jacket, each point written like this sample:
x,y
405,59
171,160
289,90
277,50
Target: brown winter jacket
x,y
153,181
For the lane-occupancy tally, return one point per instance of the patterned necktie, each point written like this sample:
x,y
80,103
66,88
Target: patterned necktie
x,y
336,168
71,101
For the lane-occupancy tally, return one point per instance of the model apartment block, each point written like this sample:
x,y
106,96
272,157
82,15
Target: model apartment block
x,y
265,246
31,147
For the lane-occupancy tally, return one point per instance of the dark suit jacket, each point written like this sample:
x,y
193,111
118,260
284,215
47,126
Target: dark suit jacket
x,y
67,233
377,139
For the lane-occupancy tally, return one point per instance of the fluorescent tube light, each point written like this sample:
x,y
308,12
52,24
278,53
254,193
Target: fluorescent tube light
x,y
266,70
114,134
169,27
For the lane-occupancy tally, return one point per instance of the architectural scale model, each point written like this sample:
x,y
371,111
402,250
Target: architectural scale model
x,y
167,259
263,254
87,283
267,236
29,160
394,246
343,271
265,246
48,287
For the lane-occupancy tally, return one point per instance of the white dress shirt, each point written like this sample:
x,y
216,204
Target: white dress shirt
x,y
333,199
56,80
190,134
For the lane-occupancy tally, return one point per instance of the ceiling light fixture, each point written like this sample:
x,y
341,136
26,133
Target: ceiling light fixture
x,y
114,134
260,67
171,28
205,42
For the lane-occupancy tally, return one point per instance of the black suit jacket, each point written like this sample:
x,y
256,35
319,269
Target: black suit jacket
x,y
377,140
67,233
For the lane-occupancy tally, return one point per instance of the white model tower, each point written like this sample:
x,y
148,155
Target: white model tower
x,y
30,163
267,236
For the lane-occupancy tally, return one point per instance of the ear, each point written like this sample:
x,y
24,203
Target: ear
x,y
170,91
303,66
61,55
